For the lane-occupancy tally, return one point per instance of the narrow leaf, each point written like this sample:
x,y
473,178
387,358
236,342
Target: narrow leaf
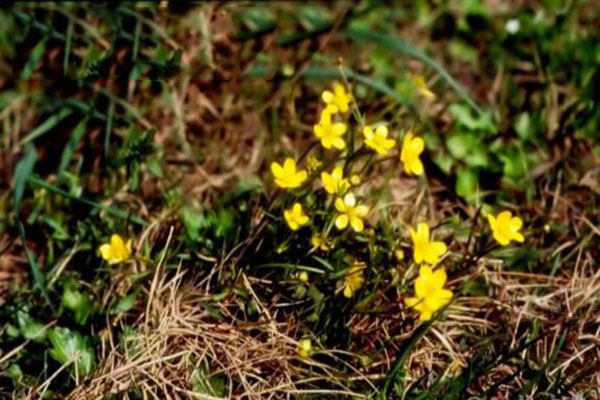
x,y
38,277
115,212
34,58
68,48
46,125
22,172
401,46
76,136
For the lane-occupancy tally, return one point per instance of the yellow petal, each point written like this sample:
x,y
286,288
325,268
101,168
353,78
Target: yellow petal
x,y
276,169
339,129
439,277
492,221
348,291
341,221
340,205
339,143
411,301
416,166
413,234
105,251
300,176
117,242
425,272
350,200
504,217
327,96
423,231
434,251
417,145
417,254
357,224
425,315
516,223
361,210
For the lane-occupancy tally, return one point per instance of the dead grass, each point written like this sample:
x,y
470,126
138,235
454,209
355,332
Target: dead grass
x,y
177,335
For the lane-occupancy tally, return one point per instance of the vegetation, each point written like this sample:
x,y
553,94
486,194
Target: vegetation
x,y
300,200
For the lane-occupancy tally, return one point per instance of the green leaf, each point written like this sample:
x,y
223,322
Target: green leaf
x,y
125,304
213,312
38,277
154,167
466,184
46,126
109,125
478,157
69,346
80,303
462,51
68,44
463,115
22,172
225,223
34,58
525,127
76,136
459,144
206,384
29,328
194,222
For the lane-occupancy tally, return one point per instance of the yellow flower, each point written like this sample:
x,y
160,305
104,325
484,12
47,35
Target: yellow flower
x,y
430,292
350,213
412,147
313,163
354,279
505,227
335,183
377,140
116,251
304,347
424,249
355,180
330,133
286,176
303,276
338,100
419,82
295,217
321,242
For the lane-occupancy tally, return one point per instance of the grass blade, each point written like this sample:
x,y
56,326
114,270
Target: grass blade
x,y
109,124
68,48
46,126
76,136
22,172
378,86
38,277
401,358
34,58
115,212
401,46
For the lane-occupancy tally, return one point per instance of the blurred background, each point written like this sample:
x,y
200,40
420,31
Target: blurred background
x,y
134,110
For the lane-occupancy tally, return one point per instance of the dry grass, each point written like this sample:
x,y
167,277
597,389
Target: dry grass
x,y
177,336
